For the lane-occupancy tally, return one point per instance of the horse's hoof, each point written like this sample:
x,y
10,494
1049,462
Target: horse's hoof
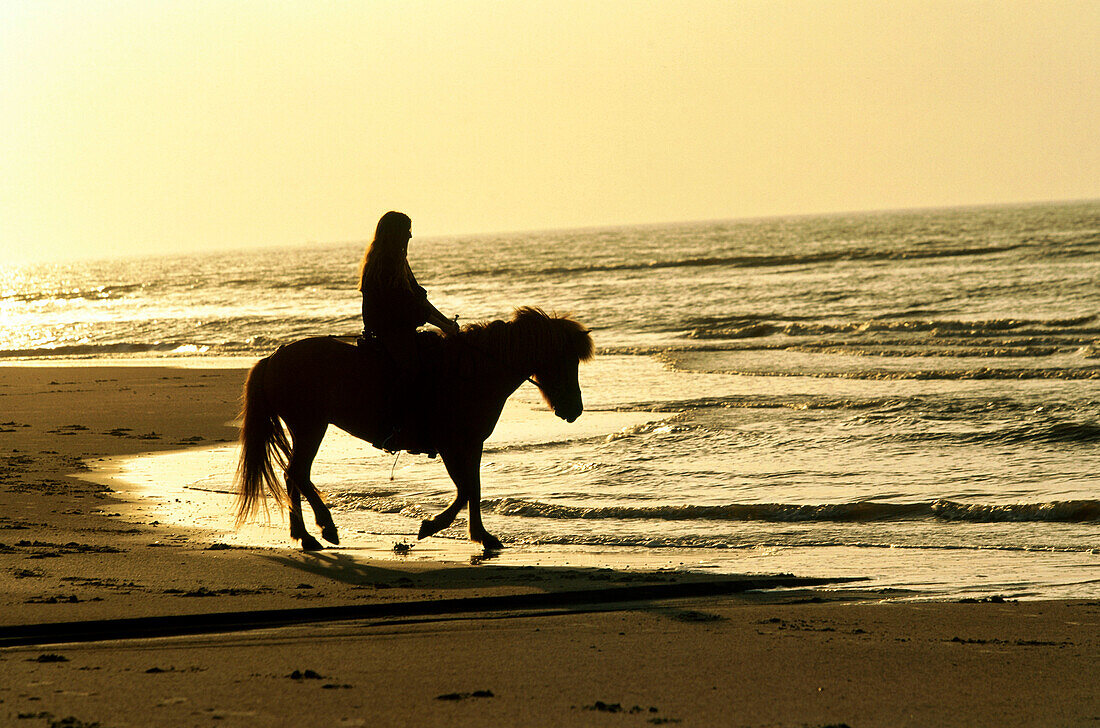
x,y
491,543
311,544
329,534
426,529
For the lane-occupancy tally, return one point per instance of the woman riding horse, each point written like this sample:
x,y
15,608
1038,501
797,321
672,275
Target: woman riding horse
x,y
293,395
394,307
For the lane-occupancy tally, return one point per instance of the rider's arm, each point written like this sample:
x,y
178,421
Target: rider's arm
x,y
430,312
435,318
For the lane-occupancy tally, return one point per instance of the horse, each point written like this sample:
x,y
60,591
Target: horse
x,y
312,383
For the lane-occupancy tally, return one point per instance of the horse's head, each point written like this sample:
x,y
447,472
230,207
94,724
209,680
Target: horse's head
x,y
561,389
546,347
566,343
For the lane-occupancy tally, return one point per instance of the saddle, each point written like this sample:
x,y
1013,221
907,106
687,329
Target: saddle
x,y
407,402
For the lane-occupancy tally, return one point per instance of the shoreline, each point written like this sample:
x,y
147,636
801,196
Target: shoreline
x,y
787,657
150,483
108,458
70,417
190,488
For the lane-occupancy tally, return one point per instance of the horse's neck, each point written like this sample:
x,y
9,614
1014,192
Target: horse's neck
x,y
506,373
512,375
495,350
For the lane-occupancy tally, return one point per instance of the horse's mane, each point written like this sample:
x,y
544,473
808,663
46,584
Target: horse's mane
x,y
531,335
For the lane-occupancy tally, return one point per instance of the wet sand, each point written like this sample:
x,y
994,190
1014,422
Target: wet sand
x,y
413,644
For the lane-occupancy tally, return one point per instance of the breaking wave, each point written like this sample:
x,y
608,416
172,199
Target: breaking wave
x,y
1067,433
1063,512
883,374
1076,511
713,542
121,349
755,326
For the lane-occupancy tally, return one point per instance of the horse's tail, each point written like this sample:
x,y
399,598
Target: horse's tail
x,y
264,445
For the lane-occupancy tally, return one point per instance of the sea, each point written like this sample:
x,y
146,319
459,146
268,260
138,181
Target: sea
x,y
911,398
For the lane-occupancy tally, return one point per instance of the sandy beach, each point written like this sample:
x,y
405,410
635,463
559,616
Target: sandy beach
x,y
503,645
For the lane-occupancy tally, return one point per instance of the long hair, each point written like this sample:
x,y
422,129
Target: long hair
x,y
384,262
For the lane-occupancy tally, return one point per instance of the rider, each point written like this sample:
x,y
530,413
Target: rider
x,y
394,304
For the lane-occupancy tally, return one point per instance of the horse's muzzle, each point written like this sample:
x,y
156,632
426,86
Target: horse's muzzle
x,y
569,416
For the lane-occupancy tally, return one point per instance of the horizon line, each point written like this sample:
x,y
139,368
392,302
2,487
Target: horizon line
x,y
543,230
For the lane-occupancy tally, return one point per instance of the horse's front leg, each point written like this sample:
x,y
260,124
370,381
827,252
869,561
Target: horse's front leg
x,y
432,526
464,466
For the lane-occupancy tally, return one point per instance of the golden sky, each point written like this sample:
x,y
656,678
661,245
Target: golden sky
x,y
150,126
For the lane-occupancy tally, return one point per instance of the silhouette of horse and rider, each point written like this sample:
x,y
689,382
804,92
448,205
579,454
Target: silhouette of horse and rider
x,y
399,388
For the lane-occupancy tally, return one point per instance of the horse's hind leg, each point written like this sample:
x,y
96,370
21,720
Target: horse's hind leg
x,y
297,525
322,515
306,440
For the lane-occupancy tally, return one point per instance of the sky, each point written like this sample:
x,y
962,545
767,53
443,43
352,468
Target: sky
x,y
143,126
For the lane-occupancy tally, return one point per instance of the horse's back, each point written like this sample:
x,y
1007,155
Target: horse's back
x,y
314,346
326,379
328,356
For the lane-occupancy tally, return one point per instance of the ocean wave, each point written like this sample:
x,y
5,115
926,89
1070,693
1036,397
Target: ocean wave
x,y
282,324
789,541
340,282
392,504
214,337
1075,373
668,426
122,350
774,512
1077,511
1063,433
1069,244
976,373
514,447
858,512
795,402
104,350
755,261
754,327
930,406
94,293
952,352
